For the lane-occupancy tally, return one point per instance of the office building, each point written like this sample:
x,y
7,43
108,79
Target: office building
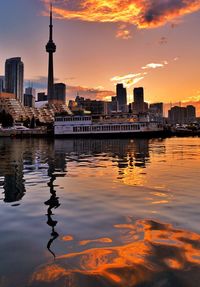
x,y
29,100
138,105
121,98
29,97
14,77
59,94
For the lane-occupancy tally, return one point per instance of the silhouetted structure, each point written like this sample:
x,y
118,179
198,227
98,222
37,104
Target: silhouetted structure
x,y
14,77
50,48
42,97
1,84
182,115
121,98
59,93
138,105
94,106
156,112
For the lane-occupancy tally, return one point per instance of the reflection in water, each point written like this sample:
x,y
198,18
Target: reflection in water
x,y
11,168
55,162
53,202
153,254
108,189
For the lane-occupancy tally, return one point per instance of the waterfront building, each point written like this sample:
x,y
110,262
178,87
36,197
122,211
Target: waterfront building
x,y
50,49
121,98
182,115
14,77
10,105
59,93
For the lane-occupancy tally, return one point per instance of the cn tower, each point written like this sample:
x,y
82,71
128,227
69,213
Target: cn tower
x,y
50,48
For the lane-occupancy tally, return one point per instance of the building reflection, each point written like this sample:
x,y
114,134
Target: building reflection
x,y
125,153
11,169
20,157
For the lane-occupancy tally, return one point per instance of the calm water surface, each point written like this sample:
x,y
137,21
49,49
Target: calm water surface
x,y
100,213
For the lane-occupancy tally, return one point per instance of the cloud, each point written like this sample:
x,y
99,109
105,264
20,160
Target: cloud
x,y
131,79
155,65
98,93
128,80
141,13
123,32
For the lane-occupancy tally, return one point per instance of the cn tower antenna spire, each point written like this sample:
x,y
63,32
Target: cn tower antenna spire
x,y
51,23
50,49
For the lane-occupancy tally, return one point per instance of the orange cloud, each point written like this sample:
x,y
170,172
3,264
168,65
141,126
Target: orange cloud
x,y
132,79
143,14
97,93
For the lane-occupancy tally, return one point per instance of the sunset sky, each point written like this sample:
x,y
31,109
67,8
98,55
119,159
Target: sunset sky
x,y
149,43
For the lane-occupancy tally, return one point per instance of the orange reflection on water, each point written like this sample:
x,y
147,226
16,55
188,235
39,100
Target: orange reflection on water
x,y
154,250
67,238
99,240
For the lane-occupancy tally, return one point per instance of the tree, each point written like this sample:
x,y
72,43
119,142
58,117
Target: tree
x,y
32,123
6,119
27,122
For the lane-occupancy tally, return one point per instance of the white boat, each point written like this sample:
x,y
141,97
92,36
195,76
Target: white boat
x,y
87,126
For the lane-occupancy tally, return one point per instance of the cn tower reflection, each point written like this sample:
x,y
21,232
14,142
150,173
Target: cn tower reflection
x,y
57,166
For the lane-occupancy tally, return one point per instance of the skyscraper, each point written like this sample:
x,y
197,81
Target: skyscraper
x,y
138,99
121,98
14,77
60,93
29,97
50,48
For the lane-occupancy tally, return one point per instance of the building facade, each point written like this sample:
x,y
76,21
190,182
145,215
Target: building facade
x,y
59,93
138,95
182,115
14,77
121,98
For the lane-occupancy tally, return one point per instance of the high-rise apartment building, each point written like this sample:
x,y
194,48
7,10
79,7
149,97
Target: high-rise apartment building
x,y
14,77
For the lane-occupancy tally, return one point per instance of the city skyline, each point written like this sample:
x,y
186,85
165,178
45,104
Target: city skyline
x,y
164,47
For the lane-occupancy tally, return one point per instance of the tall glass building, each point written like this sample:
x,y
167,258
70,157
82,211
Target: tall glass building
x,y
14,77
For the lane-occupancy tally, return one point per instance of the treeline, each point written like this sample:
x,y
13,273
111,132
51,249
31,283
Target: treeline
x,y
6,121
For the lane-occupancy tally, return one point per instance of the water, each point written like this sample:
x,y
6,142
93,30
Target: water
x,y
100,213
